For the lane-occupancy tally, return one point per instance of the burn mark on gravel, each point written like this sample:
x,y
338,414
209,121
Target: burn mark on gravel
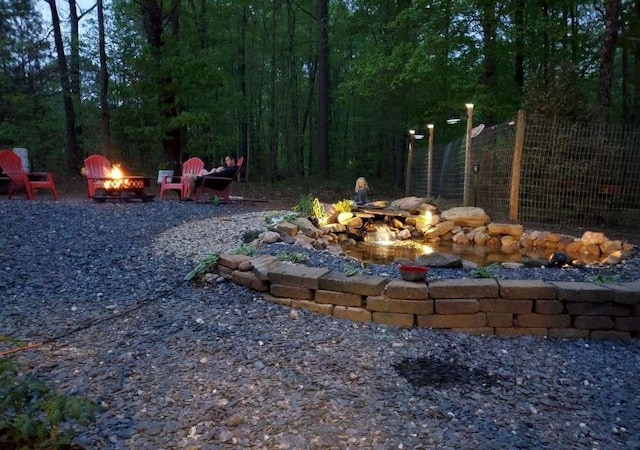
x,y
429,371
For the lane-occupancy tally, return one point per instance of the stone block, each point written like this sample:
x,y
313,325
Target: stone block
x,y
599,335
500,319
457,306
224,271
249,280
232,261
504,228
507,306
477,320
314,307
394,319
356,284
263,264
510,332
339,298
598,309
353,314
626,293
593,322
582,292
384,304
277,300
526,289
548,307
406,290
627,323
463,288
297,275
542,321
568,333
301,293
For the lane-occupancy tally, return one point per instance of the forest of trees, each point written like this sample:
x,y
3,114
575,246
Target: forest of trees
x,y
301,88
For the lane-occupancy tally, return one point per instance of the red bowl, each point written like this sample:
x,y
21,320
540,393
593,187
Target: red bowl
x,y
413,273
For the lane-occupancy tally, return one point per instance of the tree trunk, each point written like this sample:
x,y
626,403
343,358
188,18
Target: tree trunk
x,y
104,84
607,53
323,85
154,19
488,22
71,143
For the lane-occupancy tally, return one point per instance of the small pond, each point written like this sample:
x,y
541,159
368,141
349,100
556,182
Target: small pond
x,y
411,249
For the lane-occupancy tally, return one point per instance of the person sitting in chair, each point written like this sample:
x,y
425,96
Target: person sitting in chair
x,y
229,170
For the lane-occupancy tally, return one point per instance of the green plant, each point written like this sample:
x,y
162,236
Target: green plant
x,y
246,250
350,270
203,265
305,205
215,200
33,416
294,257
250,236
484,272
603,279
343,206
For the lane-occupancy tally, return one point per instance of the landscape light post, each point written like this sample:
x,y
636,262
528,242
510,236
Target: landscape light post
x,y
467,157
430,163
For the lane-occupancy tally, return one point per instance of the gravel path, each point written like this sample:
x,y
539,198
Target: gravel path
x,y
215,367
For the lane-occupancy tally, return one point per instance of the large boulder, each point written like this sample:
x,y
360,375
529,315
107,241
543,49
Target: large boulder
x,y
466,216
442,260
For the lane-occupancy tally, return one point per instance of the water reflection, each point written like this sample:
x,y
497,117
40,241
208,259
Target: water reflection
x,y
483,256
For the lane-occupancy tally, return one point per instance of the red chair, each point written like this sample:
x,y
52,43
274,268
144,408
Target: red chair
x,y
220,186
19,180
178,183
96,166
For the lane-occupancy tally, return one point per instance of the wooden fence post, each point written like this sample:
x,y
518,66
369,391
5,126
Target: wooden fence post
x,y
516,167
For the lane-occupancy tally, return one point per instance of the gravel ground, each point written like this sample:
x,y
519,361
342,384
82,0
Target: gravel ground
x,y
175,365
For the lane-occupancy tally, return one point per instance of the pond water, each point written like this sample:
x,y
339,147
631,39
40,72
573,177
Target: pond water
x,y
411,249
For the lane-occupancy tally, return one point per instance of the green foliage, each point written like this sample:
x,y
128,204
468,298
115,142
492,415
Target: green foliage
x,y
484,272
305,205
250,235
33,416
246,250
350,270
343,206
604,279
215,200
202,266
294,257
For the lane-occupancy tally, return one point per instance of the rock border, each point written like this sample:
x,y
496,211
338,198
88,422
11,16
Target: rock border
x,y
566,310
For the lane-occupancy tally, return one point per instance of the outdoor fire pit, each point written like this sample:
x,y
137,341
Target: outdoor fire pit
x,y
122,187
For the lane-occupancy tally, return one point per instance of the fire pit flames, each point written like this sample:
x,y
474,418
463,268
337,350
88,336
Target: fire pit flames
x,y
118,186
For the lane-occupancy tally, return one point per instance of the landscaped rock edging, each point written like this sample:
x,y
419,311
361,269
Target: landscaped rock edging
x,y
570,310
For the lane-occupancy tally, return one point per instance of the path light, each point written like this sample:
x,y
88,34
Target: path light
x,y
412,141
430,162
467,156
453,119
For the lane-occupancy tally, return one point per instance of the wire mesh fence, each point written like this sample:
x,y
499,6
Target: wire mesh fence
x,y
570,174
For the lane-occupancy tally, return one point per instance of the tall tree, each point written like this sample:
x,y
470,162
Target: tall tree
x,y
72,159
104,84
160,21
324,98
607,53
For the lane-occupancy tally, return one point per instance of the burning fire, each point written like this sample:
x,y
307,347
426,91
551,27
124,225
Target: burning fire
x,y
117,181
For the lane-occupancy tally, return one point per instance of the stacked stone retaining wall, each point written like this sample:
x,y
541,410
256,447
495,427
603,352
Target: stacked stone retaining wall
x,y
476,306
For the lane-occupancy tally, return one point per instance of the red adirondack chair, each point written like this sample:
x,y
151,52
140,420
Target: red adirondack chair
x,y
96,166
19,180
178,183
220,186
